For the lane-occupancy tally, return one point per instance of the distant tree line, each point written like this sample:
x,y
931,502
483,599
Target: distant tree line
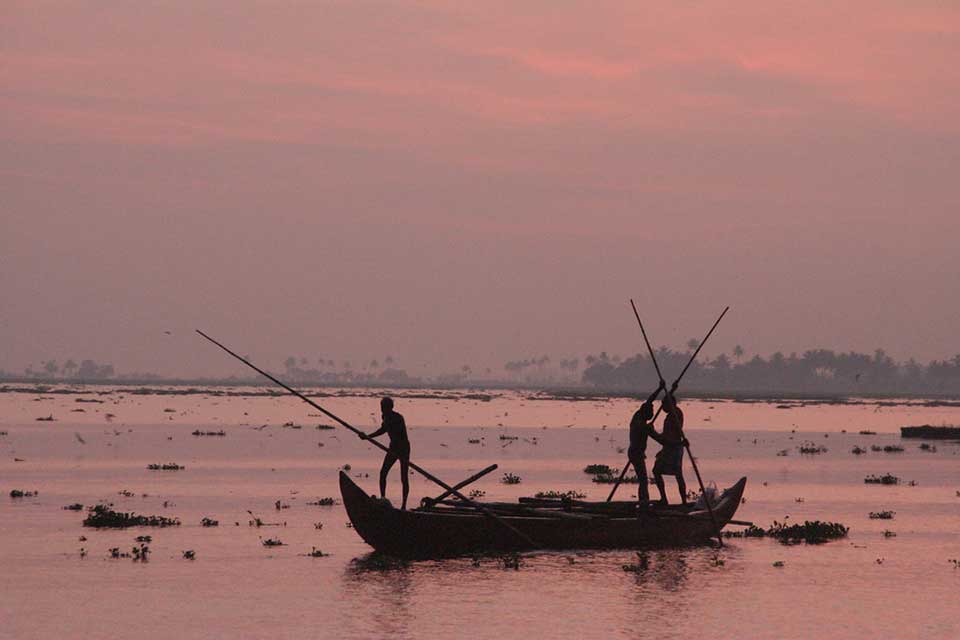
x,y
817,371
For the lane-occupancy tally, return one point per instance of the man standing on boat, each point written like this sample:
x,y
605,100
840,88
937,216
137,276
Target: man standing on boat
x,y
640,428
669,460
395,427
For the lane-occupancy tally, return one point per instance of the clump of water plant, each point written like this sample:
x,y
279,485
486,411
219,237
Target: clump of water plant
x,y
858,450
73,507
189,554
811,448
867,432
20,493
473,440
598,469
476,493
609,478
166,466
926,446
325,427
220,433
272,542
884,479
143,539
139,554
323,502
506,437
510,478
101,516
893,448
882,515
552,494
510,561
783,453
815,532
209,522
316,553
889,534
291,425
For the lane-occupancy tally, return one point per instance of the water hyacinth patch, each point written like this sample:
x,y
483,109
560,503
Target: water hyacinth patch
x,y
598,469
560,495
166,466
815,532
510,478
884,479
323,502
882,515
20,493
101,516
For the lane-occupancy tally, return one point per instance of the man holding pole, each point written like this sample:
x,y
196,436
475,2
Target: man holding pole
x,y
670,458
395,427
640,428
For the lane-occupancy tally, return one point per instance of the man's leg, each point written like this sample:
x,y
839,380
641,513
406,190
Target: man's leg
x,y
658,478
405,479
682,486
388,461
643,492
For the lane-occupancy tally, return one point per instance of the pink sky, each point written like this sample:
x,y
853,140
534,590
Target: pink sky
x,y
474,182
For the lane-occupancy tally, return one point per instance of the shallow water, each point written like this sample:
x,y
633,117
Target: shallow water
x,y
866,586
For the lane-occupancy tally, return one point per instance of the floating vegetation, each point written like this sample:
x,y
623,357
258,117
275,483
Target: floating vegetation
x,y
166,466
510,478
510,561
889,534
474,440
598,469
46,419
316,553
325,427
168,410
220,433
815,532
143,539
20,493
323,502
955,562
810,448
272,542
73,507
867,432
257,522
209,522
612,479
126,493
876,448
346,467
858,451
101,516
882,515
291,425
926,446
479,493
505,437
884,479
783,453
189,554
893,448
572,494
280,505
139,554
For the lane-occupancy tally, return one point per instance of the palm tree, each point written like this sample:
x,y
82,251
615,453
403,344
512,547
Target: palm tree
x,y
738,353
692,344
69,367
50,366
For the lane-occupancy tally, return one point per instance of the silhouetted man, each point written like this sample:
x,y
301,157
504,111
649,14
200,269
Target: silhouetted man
x,y
640,428
669,460
395,427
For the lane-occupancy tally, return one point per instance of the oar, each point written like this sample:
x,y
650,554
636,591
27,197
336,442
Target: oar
x,y
459,485
426,474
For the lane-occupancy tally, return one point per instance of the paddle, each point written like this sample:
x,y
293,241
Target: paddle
x,y
426,474
673,388
460,485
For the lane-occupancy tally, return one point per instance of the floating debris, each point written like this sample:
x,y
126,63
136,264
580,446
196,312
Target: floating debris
x,y
882,515
810,448
101,516
572,494
20,493
510,478
884,479
220,433
815,532
598,469
166,466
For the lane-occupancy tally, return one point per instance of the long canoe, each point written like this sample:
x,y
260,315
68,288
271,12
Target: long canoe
x,y
432,532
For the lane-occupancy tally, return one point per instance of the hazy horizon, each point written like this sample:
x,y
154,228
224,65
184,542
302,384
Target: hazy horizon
x,y
454,184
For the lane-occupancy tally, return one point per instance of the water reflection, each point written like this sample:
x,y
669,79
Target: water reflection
x,y
382,586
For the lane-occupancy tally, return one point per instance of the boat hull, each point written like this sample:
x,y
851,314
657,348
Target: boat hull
x,y
425,533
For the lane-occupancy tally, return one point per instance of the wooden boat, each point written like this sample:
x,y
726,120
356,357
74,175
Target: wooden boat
x,y
931,432
446,529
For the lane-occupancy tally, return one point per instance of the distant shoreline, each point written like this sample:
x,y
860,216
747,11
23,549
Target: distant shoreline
x,y
480,391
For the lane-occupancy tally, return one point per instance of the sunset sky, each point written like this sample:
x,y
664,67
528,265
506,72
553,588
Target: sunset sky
x,y
454,183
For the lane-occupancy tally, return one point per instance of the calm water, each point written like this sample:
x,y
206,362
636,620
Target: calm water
x,y
867,586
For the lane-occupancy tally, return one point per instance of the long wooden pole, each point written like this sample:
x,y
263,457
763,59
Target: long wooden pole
x,y
461,485
426,474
